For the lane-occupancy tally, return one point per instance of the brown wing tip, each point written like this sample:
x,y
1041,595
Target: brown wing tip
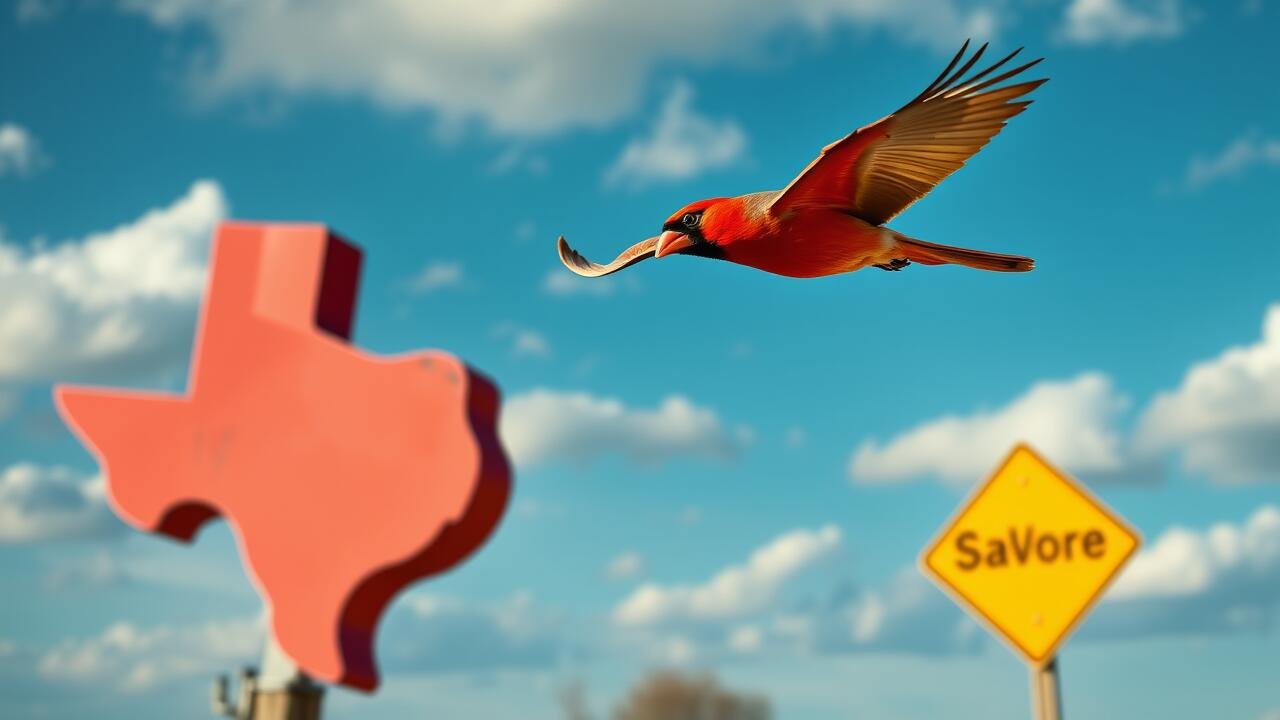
x,y
574,260
579,265
1009,263
570,257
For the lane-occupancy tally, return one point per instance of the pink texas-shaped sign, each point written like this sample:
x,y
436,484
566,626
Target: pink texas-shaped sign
x,y
346,476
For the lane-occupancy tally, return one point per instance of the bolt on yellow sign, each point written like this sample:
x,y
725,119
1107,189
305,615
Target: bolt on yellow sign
x,y
1030,553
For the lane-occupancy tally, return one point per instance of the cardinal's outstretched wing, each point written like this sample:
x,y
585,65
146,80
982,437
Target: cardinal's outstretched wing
x,y
879,170
642,250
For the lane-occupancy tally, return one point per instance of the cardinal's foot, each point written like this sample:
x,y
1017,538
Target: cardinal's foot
x,y
894,265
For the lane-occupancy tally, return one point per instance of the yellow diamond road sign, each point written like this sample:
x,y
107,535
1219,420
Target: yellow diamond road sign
x,y
1030,553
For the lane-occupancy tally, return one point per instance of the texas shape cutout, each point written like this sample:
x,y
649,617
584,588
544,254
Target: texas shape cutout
x,y
346,476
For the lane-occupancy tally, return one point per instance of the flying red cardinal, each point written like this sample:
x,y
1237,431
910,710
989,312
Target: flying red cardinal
x,y
830,219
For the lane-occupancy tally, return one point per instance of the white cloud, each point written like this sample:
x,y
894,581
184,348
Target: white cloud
x,y
1225,415
908,615
542,425
680,145
628,565
436,276
1223,420
531,508
1183,562
796,437
526,229
119,302
1223,579
746,640
518,158
436,634
1118,22
30,11
97,571
743,609
523,67
20,152
525,342
1245,152
52,503
735,591
133,659
530,343
689,516
1071,421
680,651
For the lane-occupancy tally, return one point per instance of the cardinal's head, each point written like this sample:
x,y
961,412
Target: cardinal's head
x,y
695,229
712,228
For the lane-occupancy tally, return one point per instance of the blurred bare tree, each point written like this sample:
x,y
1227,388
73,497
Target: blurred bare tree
x,y
666,695
573,701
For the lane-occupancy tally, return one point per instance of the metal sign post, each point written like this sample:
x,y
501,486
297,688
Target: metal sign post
x,y
1046,693
278,691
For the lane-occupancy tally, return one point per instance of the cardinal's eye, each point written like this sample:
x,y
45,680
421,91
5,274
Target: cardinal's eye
x,y
690,220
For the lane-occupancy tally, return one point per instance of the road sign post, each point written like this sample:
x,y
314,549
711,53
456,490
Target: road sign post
x,y
1046,692
1029,554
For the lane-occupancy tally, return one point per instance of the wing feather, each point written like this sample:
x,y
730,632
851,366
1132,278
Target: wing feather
x,y
574,260
881,169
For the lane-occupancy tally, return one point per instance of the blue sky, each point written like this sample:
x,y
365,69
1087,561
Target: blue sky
x,y
716,468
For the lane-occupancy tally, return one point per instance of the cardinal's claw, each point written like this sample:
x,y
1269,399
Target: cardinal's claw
x,y
894,265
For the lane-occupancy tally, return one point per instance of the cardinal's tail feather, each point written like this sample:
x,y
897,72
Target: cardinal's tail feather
x,y
927,253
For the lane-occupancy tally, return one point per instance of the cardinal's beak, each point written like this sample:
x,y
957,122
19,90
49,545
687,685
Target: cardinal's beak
x,y
671,241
